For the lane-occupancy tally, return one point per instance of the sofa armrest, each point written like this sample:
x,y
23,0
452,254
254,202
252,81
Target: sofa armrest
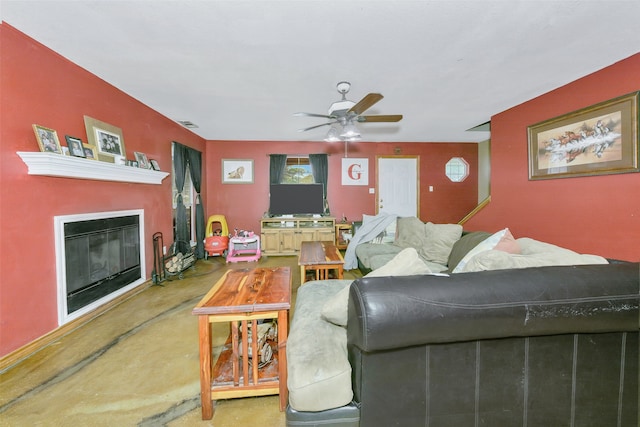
x,y
396,312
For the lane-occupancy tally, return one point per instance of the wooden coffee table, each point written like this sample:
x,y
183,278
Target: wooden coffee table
x,y
241,297
321,257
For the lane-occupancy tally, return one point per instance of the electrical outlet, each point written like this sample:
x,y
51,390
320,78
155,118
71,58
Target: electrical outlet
x,y
431,188
372,191
164,250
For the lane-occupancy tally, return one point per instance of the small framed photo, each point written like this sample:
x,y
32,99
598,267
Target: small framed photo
x,y
154,165
90,151
47,139
75,146
142,160
105,137
237,171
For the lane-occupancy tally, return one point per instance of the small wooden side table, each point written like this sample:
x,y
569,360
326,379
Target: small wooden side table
x,y
341,228
321,257
240,297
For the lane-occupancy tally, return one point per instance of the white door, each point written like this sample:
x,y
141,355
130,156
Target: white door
x,y
398,185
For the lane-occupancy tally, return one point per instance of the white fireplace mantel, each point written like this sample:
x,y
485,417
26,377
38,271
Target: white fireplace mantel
x,y
51,164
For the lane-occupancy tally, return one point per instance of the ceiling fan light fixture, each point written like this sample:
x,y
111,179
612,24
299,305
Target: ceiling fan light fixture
x,y
350,131
333,135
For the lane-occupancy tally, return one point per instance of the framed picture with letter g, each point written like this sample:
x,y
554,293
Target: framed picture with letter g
x,y
355,171
597,140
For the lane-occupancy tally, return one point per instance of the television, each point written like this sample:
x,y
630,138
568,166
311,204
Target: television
x,y
296,199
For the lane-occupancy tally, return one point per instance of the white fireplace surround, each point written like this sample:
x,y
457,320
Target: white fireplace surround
x,y
59,223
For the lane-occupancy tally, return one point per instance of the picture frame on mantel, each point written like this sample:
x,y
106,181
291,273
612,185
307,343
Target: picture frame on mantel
x,y
75,146
47,139
598,140
90,151
237,171
107,139
143,161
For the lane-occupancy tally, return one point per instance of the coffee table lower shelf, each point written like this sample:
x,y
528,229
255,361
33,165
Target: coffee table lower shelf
x,y
223,385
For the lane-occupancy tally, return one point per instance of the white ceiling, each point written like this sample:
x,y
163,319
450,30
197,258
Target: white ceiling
x,y
240,69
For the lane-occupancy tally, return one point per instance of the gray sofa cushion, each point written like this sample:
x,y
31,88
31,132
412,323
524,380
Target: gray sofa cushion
x,y
373,256
318,369
366,251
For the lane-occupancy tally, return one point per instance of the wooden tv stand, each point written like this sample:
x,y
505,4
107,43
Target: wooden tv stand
x,y
284,235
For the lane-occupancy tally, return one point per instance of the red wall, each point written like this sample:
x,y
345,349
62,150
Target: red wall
x,y
589,214
597,214
244,204
39,86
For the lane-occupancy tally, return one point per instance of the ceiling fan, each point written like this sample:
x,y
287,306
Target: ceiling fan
x,y
344,114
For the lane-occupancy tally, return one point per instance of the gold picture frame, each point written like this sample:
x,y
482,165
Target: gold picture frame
x,y
47,139
598,140
107,139
90,151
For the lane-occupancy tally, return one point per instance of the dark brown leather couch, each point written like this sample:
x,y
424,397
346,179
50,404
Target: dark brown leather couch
x,y
546,346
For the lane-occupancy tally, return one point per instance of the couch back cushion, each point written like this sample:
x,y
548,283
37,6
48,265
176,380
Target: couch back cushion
x,y
432,241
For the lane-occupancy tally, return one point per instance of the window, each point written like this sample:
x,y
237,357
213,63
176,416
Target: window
x,y
457,169
297,171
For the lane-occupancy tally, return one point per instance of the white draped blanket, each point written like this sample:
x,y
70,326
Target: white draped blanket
x,y
370,228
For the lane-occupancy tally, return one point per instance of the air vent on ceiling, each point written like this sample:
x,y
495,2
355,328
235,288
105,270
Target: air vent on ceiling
x,y
188,124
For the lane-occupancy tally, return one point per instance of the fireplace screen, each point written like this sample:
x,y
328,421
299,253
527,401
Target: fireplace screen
x,y
101,256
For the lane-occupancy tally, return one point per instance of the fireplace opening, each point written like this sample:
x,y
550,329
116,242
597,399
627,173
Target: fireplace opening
x,y
99,258
102,256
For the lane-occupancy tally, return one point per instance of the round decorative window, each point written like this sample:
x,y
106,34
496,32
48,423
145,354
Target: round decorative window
x,y
457,169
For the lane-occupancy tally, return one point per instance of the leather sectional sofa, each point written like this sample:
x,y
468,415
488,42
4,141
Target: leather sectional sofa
x,y
541,346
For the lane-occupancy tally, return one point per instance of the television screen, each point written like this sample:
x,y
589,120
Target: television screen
x,y
296,199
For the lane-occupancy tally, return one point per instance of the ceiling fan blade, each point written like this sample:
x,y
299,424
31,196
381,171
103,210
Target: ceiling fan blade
x,y
316,126
381,118
313,115
365,103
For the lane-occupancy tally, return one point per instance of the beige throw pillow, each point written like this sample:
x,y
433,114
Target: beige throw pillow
x,y
405,263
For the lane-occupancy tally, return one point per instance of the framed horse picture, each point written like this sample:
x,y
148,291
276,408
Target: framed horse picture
x,y
597,140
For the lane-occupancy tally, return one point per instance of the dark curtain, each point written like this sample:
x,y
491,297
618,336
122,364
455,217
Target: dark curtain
x,y
320,170
195,166
277,165
184,157
180,162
